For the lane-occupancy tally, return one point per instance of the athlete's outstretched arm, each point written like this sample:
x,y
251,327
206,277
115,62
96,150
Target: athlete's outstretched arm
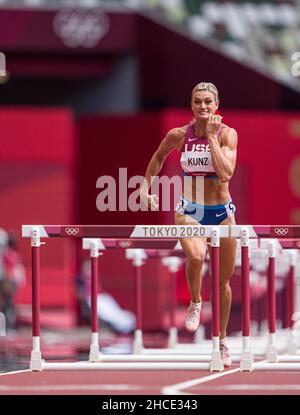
x,y
172,141
223,154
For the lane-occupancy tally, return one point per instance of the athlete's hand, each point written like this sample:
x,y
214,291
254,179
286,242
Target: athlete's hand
x,y
213,124
151,201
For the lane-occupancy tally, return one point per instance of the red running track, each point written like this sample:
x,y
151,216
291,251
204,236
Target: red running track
x,y
229,382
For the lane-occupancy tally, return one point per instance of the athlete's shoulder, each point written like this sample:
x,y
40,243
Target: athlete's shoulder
x,y
175,137
224,128
177,133
227,131
229,136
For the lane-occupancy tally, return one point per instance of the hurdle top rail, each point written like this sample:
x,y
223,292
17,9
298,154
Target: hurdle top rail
x,y
165,237
291,232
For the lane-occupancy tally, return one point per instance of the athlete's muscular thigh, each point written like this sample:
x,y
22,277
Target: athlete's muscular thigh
x,y
192,247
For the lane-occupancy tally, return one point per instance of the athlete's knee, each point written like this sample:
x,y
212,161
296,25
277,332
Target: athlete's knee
x,y
226,274
224,285
196,259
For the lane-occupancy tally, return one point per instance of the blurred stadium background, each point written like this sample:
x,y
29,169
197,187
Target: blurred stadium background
x,y
92,86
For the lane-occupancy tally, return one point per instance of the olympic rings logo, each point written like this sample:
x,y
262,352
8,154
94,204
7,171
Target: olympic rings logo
x,y
81,27
124,244
71,231
281,231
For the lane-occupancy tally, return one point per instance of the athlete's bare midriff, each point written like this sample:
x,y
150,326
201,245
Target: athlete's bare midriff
x,y
215,193
202,190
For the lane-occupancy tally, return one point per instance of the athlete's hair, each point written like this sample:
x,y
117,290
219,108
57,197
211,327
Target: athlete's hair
x,y
206,86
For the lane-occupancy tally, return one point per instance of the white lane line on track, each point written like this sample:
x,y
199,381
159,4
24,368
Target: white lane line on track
x,y
45,388
15,372
262,387
177,388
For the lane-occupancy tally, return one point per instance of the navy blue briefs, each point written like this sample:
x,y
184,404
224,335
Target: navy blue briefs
x,y
206,214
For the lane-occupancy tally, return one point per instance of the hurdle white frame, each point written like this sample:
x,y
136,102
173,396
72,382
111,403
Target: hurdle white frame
x,y
38,364
193,348
246,357
138,256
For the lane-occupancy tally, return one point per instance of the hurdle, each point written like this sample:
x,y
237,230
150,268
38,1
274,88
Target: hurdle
x,y
160,237
173,264
261,348
172,260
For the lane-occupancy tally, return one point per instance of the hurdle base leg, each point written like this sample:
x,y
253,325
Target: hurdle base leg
x,y
246,364
2,324
36,361
94,355
292,344
216,363
173,339
272,355
199,335
138,342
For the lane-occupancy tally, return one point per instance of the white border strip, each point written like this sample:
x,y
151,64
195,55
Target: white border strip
x,y
87,243
236,230
177,231
160,366
27,229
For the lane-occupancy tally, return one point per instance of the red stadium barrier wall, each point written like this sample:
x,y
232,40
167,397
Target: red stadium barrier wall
x,y
37,156
269,146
